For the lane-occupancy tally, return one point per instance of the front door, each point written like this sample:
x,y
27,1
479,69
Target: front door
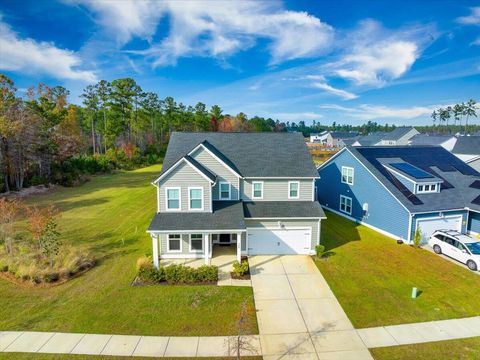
x,y
224,239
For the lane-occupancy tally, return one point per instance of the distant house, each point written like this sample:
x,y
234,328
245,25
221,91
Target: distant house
x,y
397,189
398,136
318,137
467,148
335,139
445,141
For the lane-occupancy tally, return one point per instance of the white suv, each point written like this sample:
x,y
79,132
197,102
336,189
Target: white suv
x,y
457,246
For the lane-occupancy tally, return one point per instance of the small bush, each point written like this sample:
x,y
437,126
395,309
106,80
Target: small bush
x,y
240,269
144,261
50,277
417,237
176,274
38,180
319,250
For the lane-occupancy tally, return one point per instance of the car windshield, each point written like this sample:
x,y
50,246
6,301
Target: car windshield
x,y
474,247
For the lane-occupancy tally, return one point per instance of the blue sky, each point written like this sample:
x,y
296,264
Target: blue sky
x,y
343,61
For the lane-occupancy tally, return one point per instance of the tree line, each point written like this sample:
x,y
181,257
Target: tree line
x,y
458,112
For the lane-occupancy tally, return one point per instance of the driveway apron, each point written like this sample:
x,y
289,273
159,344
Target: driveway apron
x,y
298,315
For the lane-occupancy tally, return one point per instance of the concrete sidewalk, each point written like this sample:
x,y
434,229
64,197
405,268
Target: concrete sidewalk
x,y
123,345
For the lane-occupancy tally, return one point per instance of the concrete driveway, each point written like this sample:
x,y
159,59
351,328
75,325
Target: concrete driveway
x,y
298,315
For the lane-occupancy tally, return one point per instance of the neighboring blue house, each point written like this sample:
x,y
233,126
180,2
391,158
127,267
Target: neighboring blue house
x,y
395,189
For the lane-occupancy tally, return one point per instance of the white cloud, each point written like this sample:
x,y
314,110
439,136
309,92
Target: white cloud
x,y
296,116
214,28
29,56
373,112
376,55
472,19
476,42
339,92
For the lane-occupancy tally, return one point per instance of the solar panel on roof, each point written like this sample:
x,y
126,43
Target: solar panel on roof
x,y
476,201
411,170
475,184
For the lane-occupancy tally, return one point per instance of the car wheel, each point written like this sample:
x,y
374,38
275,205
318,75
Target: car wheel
x,y
437,249
471,265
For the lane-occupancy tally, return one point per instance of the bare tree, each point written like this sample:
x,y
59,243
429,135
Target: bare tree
x,y
242,343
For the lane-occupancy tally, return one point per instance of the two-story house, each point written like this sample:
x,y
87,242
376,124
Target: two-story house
x,y
254,191
399,189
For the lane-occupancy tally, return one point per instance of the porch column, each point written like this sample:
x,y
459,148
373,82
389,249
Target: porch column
x,y
206,242
155,251
239,247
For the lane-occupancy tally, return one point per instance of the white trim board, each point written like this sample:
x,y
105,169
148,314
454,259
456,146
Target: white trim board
x,y
215,157
171,168
195,231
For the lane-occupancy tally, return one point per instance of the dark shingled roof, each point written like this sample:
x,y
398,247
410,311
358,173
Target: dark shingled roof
x,y
455,193
371,140
425,139
397,133
201,168
467,145
283,209
253,154
343,134
226,215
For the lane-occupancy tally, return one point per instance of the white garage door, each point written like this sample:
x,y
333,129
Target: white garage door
x,y
429,225
278,242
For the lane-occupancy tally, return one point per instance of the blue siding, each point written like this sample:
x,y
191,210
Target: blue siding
x,y
474,222
385,212
437,214
408,184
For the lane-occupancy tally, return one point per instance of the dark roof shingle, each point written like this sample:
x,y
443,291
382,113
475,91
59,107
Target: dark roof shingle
x,y
283,209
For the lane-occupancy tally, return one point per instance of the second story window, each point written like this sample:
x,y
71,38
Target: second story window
x,y
195,198
224,189
293,190
257,190
346,204
347,175
173,198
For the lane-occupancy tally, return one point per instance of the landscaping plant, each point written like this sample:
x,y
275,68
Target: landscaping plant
x,y
240,269
417,238
320,251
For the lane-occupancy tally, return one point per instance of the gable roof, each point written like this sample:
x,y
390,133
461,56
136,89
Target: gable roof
x,y
343,134
213,150
398,133
194,164
457,176
371,139
426,139
467,145
252,154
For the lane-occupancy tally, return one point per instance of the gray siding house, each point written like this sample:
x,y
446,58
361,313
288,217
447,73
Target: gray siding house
x,y
253,191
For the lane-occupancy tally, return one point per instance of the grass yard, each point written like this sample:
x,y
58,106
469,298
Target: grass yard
x,y
109,215
372,277
463,349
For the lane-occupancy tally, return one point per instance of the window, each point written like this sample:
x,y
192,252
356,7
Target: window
x,y
196,243
173,198
293,189
174,243
347,175
224,189
257,189
195,198
427,188
346,204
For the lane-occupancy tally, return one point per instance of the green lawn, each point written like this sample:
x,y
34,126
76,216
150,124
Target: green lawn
x,y
463,349
372,277
110,214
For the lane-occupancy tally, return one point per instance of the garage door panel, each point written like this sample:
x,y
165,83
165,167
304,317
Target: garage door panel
x,y
279,241
429,225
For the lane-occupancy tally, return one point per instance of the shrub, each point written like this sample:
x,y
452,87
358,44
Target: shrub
x,y
38,180
320,250
176,274
50,277
144,262
417,238
240,269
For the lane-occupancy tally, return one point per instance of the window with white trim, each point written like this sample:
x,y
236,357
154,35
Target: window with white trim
x,y
195,198
224,189
293,189
347,175
346,204
257,189
196,242
427,188
174,243
173,198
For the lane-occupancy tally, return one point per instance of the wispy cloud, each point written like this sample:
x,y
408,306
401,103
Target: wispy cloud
x,y
376,55
297,116
32,57
374,112
216,29
472,19
339,92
